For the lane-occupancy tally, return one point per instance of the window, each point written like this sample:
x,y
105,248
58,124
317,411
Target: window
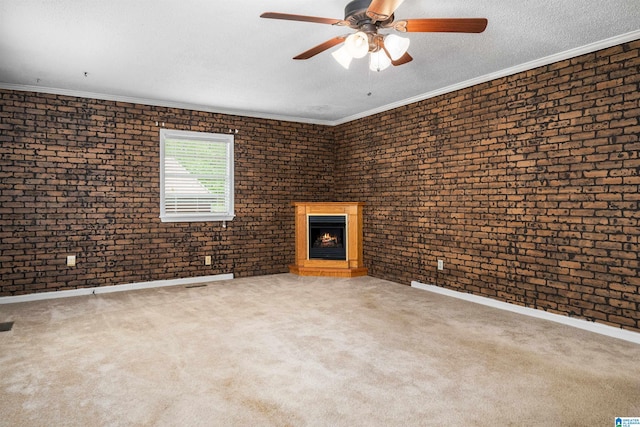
x,y
196,176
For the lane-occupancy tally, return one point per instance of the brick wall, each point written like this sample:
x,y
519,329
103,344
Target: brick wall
x,y
526,186
80,177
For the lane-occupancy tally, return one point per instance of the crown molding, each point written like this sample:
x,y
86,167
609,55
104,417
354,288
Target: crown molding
x,y
561,56
160,103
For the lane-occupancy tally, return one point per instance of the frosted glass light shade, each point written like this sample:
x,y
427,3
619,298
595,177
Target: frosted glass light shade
x,y
379,61
343,57
357,44
396,45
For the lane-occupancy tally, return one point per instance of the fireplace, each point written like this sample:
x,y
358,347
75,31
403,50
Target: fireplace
x,y
328,239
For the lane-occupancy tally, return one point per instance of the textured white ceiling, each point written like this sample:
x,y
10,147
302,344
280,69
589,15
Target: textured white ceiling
x,y
221,56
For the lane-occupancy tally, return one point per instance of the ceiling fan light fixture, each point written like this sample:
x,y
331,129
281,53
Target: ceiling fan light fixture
x,y
357,44
396,46
343,57
379,61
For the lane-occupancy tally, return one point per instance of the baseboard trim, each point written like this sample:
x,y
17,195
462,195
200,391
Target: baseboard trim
x,y
114,288
598,328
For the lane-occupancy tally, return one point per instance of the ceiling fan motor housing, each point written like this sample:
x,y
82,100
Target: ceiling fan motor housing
x,y
355,13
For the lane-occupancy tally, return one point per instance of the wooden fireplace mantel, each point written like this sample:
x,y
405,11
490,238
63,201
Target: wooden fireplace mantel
x,y
353,265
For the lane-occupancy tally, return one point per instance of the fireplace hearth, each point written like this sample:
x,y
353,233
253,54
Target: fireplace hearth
x,y
328,239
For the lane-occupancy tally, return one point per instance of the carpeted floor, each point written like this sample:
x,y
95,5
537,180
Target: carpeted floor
x,y
285,350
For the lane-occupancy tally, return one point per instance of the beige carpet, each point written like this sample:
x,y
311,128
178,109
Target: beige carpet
x,y
303,351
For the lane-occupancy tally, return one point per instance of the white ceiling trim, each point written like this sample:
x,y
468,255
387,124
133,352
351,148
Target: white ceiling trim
x,y
156,103
603,44
561,56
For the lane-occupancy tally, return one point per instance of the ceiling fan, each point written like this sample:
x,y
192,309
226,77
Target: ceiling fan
x,y
369,16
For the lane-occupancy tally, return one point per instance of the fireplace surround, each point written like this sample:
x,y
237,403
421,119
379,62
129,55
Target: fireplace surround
x,y
328,239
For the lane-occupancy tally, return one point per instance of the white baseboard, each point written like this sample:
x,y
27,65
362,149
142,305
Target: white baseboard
x,y
114,288
598,328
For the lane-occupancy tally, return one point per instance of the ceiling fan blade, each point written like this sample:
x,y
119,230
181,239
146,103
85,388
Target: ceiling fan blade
x,y
442,25
321,48
381,10
402,60
303,18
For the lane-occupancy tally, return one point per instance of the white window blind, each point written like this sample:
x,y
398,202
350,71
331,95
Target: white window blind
x,y
196,176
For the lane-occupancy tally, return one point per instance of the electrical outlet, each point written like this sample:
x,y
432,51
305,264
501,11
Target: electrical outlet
x,y
440,264
71,260
207,260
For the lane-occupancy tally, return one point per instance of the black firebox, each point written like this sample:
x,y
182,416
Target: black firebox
x,y
326,237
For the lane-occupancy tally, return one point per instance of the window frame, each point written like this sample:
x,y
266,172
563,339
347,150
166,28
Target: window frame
x,y
214,138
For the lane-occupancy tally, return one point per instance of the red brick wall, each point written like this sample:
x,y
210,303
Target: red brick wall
x,y
526,186
80,177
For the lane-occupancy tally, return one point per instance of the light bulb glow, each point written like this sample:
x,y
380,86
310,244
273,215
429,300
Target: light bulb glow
x,y
379,61
396,46
357,44
343,57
